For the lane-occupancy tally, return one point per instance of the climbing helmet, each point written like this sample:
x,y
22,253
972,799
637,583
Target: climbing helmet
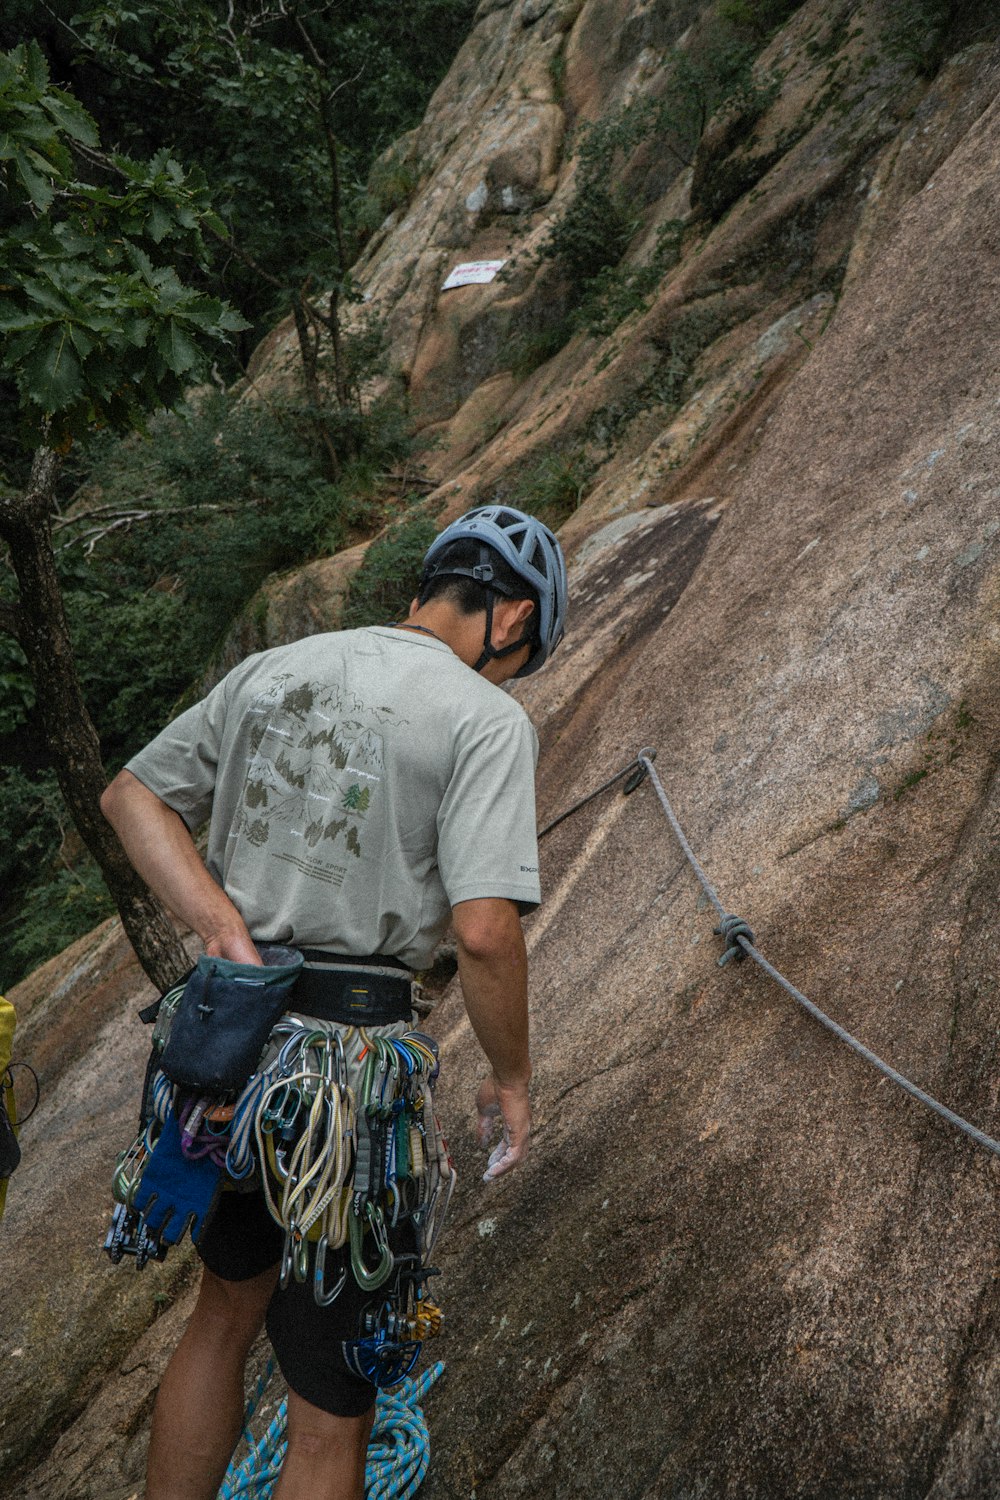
x,y
530,550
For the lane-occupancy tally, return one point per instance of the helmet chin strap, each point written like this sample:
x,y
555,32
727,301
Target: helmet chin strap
x,y
490,652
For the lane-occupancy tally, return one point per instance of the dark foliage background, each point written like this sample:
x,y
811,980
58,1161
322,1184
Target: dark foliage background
x,y
240,101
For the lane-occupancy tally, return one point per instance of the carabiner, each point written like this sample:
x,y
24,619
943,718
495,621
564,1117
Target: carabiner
x,y
322,1296
287,1257
300,1266
368,1280
338,1042
405,1055
128,1171
282,1108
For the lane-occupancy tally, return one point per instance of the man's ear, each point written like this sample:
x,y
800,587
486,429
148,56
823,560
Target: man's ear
x,y
513,616
414,606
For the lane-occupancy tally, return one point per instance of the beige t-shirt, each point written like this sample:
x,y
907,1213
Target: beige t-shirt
x,y
358,786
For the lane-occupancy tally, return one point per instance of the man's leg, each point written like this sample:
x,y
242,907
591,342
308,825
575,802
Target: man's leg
x,y
326,1454
199,1409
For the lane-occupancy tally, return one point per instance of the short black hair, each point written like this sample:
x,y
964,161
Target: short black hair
x,y
469,596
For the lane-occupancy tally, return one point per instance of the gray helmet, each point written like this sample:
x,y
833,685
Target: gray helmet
x,y
531,551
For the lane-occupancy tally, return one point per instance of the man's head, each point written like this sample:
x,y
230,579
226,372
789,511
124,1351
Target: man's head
x,y
498,558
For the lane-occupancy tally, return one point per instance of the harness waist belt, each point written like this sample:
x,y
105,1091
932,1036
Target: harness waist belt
x,y
352,992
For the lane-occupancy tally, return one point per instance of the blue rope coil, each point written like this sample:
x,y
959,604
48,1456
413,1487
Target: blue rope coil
x,y
399,1451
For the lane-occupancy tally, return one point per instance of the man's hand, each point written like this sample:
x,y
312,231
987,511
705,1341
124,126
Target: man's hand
x,y
495,1102
238,947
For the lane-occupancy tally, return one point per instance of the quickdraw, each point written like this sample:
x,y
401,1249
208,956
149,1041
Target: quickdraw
x,y
304,1127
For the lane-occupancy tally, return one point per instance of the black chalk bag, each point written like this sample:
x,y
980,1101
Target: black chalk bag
x,y
225,1017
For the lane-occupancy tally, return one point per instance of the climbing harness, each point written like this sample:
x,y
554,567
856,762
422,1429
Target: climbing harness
x,y
739,943
337,1124
398,1451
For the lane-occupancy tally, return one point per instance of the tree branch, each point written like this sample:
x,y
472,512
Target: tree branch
x,y
406,479
123,520
39,497
226,239
62,521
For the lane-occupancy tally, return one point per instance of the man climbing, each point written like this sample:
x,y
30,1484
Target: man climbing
x,y
362,788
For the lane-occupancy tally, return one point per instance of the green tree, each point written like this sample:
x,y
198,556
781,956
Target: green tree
x,y
283,105
96,330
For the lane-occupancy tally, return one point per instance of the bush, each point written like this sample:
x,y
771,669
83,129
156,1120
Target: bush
x,y
528,351
54,913
592,233
715,76
391,184
218,496
553,487
381,590
917,33
47,904
618,291
760,18
668,383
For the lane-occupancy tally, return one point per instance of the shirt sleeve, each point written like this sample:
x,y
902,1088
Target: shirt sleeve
x,y
487,844
180,765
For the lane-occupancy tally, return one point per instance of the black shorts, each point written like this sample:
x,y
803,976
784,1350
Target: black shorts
x,y
242,1241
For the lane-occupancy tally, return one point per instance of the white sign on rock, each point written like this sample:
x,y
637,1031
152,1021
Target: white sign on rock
x,y
472,272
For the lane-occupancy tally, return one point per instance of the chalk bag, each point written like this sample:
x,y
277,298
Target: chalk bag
x,y
225,1017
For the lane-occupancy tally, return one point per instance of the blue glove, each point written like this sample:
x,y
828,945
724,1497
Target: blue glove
x,y
174,1191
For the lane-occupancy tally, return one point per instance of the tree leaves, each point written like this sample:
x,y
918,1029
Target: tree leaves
x,y
261,95
51,375
34,116
179,350
96,326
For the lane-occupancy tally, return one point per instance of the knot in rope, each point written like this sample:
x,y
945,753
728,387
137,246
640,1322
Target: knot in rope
x,y
731,928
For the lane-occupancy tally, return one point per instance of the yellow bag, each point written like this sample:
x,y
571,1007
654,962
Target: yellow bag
x,y
10,1153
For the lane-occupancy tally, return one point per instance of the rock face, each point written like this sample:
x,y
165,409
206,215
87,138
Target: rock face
x,y
737,1262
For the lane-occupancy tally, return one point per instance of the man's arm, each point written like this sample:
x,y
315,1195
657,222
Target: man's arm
x,y
161,849
493,969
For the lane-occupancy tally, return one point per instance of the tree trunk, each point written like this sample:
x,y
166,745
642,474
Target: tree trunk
x,y
310,363
43,635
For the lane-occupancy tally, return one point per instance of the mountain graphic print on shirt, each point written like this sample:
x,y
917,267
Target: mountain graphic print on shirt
x,y
317,761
